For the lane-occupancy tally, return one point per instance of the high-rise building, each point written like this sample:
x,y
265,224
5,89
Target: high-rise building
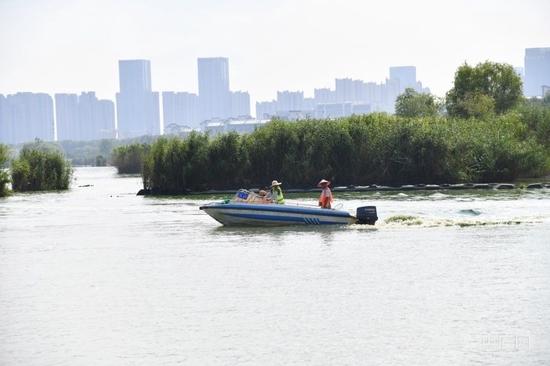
x,y
344,90
537,71
66,117
290,101
324,95
309,105
406,75
266,110
180,108
5,122
240,104
360,91
214,95
27,116
105,122
137,105
96,117
391,90
84,117
134,75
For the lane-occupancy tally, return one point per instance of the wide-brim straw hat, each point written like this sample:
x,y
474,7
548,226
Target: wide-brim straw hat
x,y
323,181
275,183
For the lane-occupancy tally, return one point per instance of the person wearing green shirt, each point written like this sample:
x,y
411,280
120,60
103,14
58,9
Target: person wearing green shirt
x,y
277,193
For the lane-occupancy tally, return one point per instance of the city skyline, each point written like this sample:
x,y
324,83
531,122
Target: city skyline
x,y
141,111
138,107
273,46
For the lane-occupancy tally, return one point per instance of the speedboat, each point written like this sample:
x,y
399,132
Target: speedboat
x,y
250,209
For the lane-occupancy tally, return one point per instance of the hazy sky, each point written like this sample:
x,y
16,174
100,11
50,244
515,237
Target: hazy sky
x,y
70,46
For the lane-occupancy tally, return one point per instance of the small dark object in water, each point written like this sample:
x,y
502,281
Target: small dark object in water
x,y
143,192
535,186
505,186
86,185
482,186
470,211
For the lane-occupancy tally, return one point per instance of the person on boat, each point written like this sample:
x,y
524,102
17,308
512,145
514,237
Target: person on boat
x,y
276,193
263,195
325,200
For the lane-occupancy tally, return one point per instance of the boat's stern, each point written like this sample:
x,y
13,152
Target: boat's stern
x,y
366,215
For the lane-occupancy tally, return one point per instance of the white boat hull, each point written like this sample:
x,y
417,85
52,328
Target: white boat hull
x,y
245,214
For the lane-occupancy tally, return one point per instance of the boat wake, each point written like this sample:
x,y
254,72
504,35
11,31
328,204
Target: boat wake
x,y
419,221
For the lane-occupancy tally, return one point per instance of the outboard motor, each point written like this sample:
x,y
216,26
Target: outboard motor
x,y
366,215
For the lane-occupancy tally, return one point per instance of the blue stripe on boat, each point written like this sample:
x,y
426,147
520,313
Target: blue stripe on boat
x,y
284,218
277,208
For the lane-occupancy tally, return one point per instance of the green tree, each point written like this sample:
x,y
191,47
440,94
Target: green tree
x,y
535,113
476,88
414,104
478,105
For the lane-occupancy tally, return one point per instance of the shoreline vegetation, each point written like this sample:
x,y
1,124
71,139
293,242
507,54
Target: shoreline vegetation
x,y
375,149
128,159
39,167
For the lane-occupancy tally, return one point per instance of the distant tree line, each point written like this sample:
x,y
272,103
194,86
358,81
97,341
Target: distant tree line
x,y
90,153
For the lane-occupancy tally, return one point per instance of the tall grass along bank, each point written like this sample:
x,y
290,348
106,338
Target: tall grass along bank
x,y
360,150
128,159
39,168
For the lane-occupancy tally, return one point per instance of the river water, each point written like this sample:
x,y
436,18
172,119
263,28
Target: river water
x,y
100,276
